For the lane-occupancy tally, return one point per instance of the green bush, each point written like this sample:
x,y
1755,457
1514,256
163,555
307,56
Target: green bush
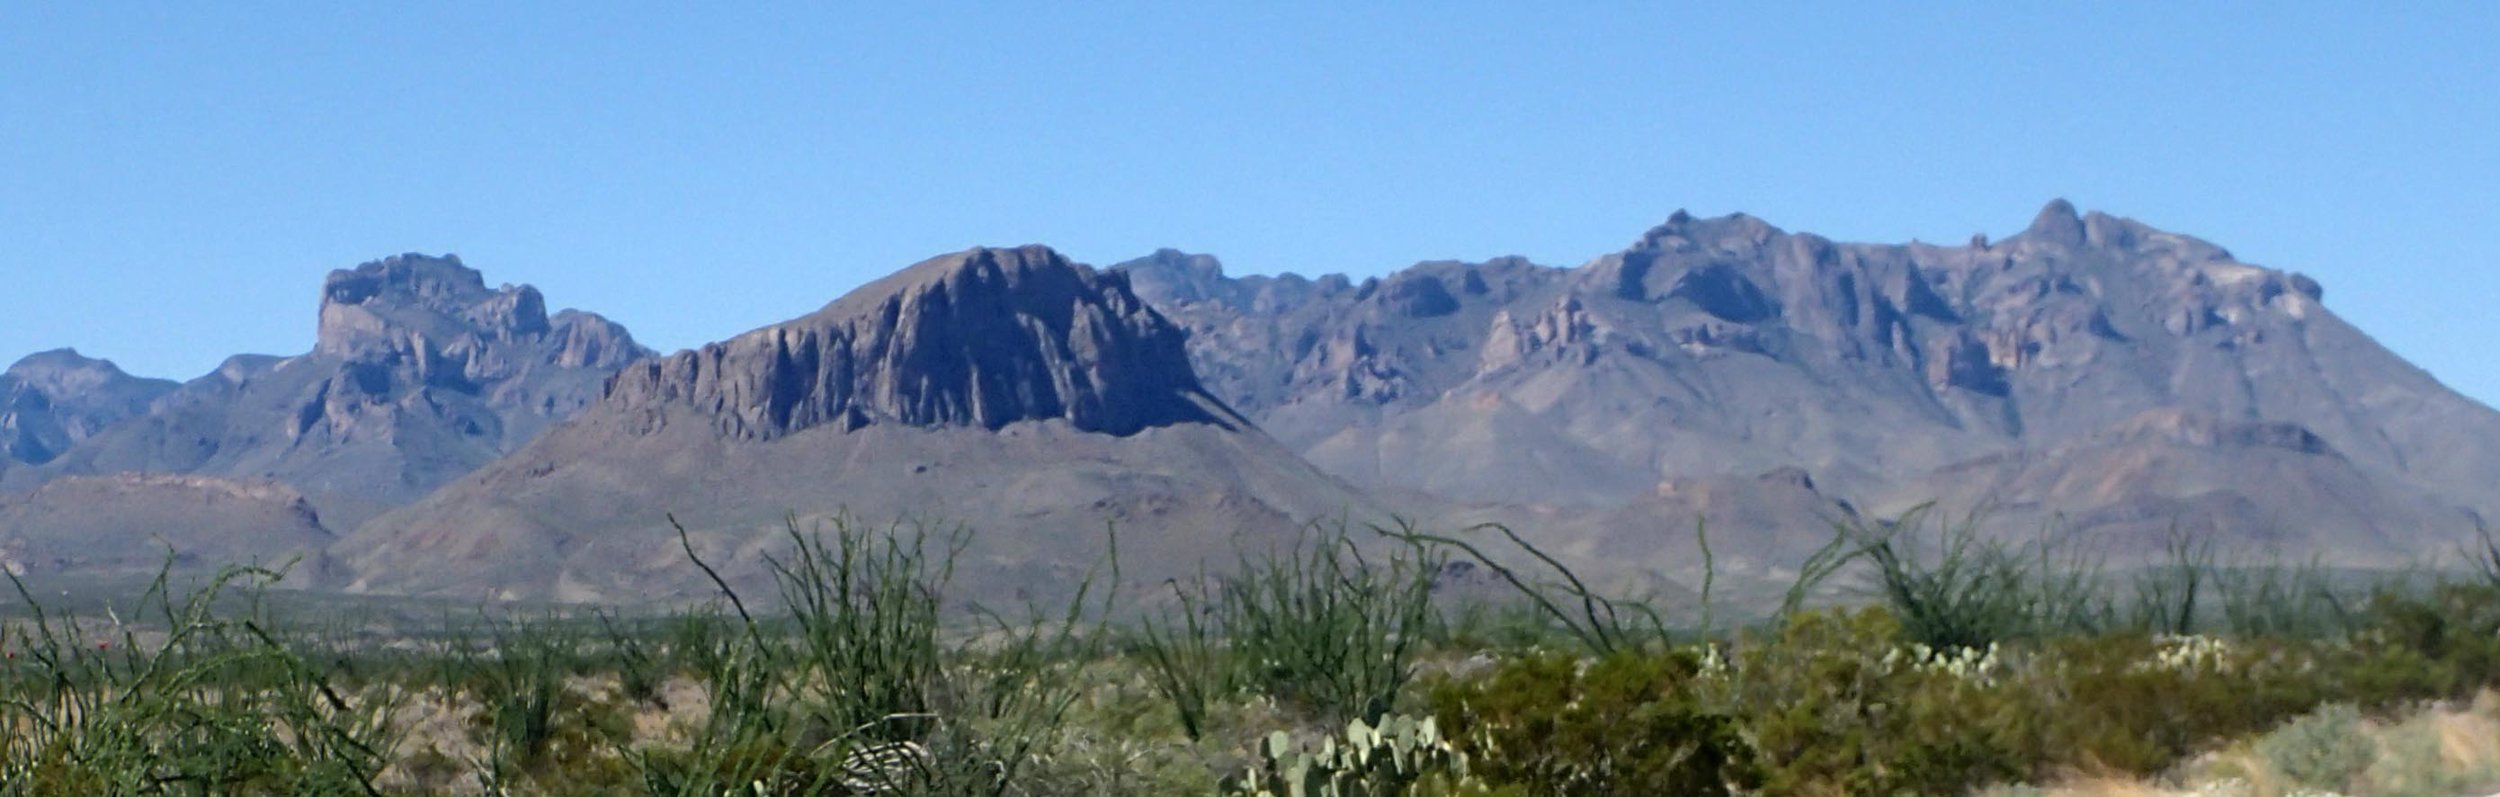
x,y
1320,626
2323,749
854,692
1626,723
1837,702
1975,591
209,702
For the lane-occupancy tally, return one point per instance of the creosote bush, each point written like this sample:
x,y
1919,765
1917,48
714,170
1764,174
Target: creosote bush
x,y
1843,702
1626,723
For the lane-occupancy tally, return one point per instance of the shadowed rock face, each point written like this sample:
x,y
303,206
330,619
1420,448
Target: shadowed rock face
x,y
1721,348
1033,399
419,373
53,400
982,338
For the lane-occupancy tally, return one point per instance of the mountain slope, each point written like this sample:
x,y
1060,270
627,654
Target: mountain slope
x,y
53,400
1722,348
1033,399
128,525
419,374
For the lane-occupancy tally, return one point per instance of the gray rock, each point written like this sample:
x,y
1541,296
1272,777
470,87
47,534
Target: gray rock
x,y
53,400
1052,401
982,338
1718,348
419,374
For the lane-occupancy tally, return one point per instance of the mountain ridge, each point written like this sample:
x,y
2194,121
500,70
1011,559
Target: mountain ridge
x,y
1031,397
2090,376
1722,347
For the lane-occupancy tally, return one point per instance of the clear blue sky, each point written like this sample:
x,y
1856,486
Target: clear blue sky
x,y
176,178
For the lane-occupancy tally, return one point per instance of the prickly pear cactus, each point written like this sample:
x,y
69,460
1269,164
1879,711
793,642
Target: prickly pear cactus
x,y
1383,761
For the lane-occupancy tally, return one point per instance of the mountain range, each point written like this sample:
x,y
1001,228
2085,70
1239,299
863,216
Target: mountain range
x,y
2090,376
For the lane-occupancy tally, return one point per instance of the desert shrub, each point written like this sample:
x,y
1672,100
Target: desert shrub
x,y
1559,599
2452,627
1972,591
1476,625
1119,738
209,702
2437,753
2323,749
1838,702
1627,723
2274,600
1185,659
2139,704
538,733
853,692
1320,626
1326,628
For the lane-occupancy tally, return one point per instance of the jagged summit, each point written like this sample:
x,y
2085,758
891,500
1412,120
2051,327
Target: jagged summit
x,y
399,301
1714,348
1684,231
982,338
1033,398
2057,223
419,373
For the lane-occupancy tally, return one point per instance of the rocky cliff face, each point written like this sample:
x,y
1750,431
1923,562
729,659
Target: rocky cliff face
x,y
982,338
1721,348
1033,399
419,373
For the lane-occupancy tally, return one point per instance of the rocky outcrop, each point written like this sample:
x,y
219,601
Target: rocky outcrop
x,y
982,338
53,400
419,373
1034,399
1719,347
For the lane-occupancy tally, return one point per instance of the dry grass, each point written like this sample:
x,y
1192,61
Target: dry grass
x,y
2443,750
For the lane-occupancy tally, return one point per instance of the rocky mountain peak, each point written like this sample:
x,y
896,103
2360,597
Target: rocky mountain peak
x,y
1176,275
379,304
51,400
420,373
981,338
1734,232
64,372
2057,223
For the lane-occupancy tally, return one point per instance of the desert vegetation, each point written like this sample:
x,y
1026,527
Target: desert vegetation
x,y
1950,663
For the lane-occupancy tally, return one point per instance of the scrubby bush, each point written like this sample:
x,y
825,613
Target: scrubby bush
x,y
1321,626
2323,749
1838,702
855,694
1627,723
206,702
